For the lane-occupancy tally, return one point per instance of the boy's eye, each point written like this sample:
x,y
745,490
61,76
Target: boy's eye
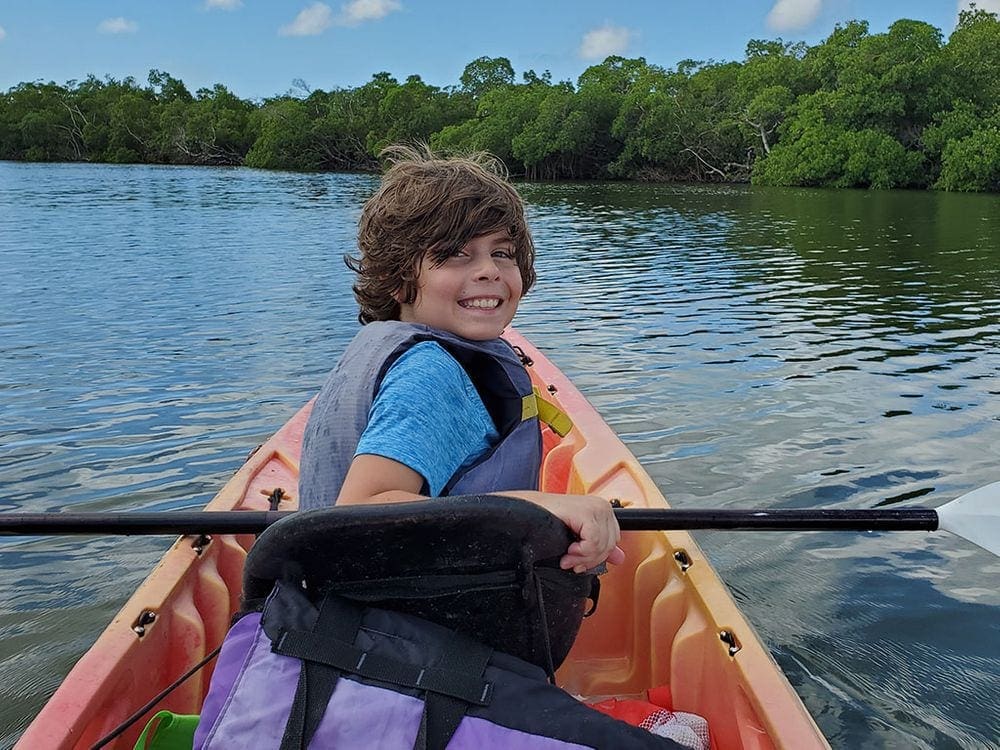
x,y
504,253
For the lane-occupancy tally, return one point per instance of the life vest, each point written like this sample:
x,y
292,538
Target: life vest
x,y
340,413
408,625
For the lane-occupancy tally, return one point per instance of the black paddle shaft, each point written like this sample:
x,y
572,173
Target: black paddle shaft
x,y
145,523
630,519
899,519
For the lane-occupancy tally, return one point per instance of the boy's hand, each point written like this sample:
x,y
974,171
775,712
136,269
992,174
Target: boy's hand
x,y
592,519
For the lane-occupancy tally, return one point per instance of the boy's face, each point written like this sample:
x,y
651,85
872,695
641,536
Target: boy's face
x,y
473,294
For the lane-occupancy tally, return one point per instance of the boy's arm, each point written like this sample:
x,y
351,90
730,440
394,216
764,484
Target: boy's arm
x,y
376,479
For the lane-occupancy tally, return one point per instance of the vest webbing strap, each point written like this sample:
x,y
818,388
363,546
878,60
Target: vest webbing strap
x,y
547,412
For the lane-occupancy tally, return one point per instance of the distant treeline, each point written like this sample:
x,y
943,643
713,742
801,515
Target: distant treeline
x,y
899,109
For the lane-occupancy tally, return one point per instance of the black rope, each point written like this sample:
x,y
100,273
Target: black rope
x,y
124,726
550,668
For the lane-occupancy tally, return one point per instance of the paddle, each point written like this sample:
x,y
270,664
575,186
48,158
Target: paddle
x,y
974,516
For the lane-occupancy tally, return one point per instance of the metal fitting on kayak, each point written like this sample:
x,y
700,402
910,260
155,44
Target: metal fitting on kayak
x,y
147,617
200,543
681,556
729,638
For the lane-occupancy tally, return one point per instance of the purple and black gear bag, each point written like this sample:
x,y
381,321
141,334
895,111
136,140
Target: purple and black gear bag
x,y
428,625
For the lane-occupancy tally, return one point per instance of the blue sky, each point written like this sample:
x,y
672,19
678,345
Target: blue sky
x,y
258,47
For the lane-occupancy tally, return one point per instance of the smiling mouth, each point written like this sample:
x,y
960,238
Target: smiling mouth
x,y
480,303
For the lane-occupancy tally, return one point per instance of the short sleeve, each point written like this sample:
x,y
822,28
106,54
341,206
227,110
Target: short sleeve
x,y
428,416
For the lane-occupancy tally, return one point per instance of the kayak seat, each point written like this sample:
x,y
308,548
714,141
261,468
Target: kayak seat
x,y
485,566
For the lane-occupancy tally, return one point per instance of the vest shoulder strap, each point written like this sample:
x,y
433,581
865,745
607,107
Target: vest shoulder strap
x,y
533,405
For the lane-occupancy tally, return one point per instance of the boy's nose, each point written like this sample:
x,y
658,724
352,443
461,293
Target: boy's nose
x,y
487,268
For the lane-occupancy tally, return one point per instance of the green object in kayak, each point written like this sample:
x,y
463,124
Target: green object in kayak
x,y
168,731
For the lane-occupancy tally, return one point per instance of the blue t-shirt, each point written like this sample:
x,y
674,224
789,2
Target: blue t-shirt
x,y
428,415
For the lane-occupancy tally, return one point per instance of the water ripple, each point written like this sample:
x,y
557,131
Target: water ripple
x,y
773,348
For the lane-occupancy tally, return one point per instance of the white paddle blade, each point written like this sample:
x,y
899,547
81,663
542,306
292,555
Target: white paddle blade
x,y
975,516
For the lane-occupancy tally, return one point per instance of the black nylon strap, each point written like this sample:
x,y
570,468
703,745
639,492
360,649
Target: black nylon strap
x,y
440,720
315,687
317,681
443,713
459,682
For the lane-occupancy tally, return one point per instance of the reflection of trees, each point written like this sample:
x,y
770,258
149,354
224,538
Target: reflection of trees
x,y
638,227
889,251
913,261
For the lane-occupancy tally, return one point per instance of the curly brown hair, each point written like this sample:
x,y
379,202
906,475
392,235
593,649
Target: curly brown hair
x,y
429,204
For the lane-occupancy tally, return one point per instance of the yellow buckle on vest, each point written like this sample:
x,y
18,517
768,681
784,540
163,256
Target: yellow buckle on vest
x,y
533,405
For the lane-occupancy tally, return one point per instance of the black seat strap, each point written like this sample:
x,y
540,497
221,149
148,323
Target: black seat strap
x,y
341,621
443,712
316,648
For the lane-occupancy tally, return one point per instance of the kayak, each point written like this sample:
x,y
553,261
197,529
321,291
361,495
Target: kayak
x,y
664,619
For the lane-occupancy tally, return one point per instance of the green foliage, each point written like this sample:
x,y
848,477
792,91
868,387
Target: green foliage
x,y
485,74
950,125
772,76
501,114
38,122
413,112
896,82
683,124
877,115
816,150
973,51
283,141
119,121
903,108
339,130
972,162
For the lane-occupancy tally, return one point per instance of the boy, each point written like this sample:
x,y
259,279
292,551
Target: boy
x,y
427,399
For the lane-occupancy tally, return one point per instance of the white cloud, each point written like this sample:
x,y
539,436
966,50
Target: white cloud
x,y
318,17
605,41
117,26
359,11
314,20
223,4
3,34
792,15
990,6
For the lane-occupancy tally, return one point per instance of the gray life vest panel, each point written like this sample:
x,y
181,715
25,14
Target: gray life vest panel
x,y
340,413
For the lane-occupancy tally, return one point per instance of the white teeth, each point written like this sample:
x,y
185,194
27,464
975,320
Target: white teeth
x,y
484,304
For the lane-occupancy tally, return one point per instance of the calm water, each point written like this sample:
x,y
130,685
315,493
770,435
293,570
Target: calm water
x,y
779,348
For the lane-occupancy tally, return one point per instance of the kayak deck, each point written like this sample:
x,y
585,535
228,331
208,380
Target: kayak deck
x,y
664,617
